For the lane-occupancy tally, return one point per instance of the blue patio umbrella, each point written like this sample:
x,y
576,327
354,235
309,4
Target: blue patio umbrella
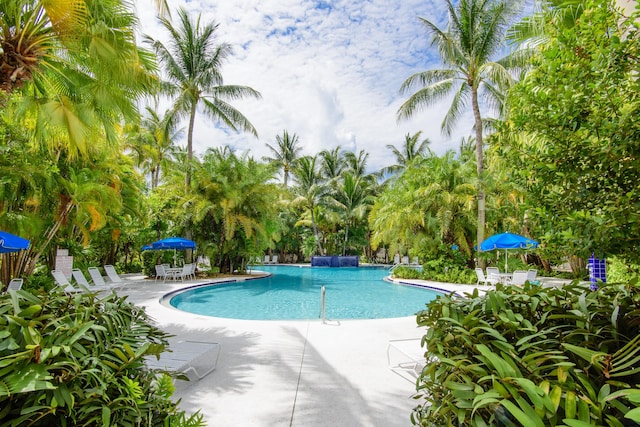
x,y
507,241
174,243
11,243
171,243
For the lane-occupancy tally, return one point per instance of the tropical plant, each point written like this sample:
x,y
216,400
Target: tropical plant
x,y
430,204
411,149
574,117
468,48
234,202
76,65
332,163
79,360
352,200
153,141
534,356
285,154
50,199
309,193
192,61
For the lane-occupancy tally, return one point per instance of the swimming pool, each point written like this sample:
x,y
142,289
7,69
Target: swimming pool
x,y
293,293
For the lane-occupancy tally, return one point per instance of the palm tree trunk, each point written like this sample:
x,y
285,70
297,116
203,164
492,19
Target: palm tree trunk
x,y
192,119
480,169
346,239
315,231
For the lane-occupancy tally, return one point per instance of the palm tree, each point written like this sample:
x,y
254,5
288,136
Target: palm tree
x,y
332,163
192,62
153,142
352,200
309,191
411,149
81,65
475,35
431,203
285,154
233,200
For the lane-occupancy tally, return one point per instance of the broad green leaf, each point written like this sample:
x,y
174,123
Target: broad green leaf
x,y
576,423
520,415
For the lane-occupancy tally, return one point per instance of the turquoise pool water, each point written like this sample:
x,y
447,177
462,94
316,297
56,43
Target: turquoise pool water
x,y
293,293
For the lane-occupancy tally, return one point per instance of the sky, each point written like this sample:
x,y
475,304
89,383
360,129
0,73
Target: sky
x,y
328,71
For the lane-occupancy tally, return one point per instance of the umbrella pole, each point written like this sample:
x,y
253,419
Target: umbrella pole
x,y
506,262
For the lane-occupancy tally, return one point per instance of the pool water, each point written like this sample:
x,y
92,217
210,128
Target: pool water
x,y
293,293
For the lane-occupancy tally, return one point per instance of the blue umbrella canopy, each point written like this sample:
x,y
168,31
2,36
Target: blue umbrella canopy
x,y
507,241
11,243
171,243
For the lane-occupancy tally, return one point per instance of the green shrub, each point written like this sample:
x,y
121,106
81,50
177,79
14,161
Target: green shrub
x,y
532,356
78,360
437,272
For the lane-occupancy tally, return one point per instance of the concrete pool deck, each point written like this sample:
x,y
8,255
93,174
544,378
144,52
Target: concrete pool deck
x,y
290,373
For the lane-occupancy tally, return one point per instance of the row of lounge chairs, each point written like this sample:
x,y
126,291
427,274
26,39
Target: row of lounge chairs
x,y
404,260
273,260
97,280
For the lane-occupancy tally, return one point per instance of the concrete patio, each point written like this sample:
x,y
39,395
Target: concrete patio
x,y
291,373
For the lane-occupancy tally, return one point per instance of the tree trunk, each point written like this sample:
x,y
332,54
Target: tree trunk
x,y
480,169
192,117
346,239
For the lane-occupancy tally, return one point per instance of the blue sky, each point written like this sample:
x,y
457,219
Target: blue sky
x,y
328,71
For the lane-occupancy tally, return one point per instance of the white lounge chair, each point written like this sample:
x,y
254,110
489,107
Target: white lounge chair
x,y
80,278
490,280
96,277
267,259
15,284
396,259
274,259
406,358
98,280
113,274
63,282
405,260
532,275
415,262
188,357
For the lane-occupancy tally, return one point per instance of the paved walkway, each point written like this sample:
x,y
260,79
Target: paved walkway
x,y
290,373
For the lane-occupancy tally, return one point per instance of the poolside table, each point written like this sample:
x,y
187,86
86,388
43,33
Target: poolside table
x,y
505,277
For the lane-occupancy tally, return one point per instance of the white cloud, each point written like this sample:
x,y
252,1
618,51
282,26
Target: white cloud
x,y
328,71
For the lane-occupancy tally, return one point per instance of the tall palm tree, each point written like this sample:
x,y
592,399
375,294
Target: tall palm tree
x,y
411,149
153,142
474,37
192,61
332,163
285,154
352,199
310,191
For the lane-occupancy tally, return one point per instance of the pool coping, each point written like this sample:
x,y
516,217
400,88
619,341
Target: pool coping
x,y
444,288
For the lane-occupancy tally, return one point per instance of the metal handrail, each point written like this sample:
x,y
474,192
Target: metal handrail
x,y
323,303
